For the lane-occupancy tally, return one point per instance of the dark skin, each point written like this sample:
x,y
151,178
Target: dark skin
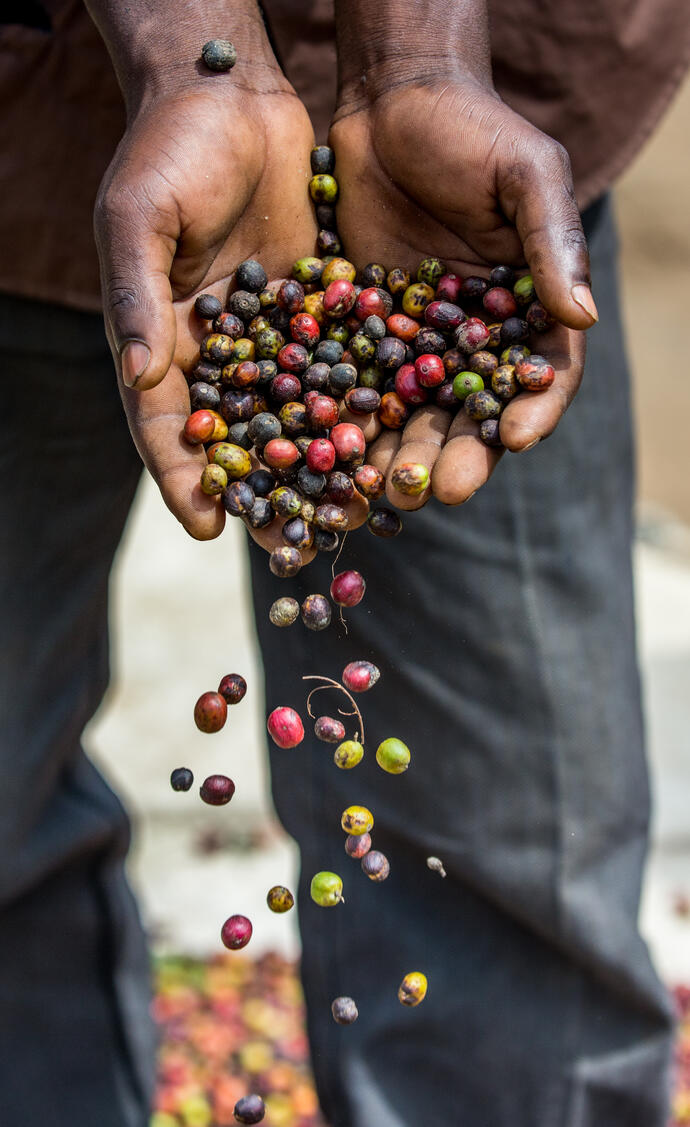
x,y
205,159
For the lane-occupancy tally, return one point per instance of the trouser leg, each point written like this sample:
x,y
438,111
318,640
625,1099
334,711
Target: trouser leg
x,y
75,1037
504,633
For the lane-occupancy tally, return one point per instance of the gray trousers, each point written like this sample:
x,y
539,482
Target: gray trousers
x,y
504,633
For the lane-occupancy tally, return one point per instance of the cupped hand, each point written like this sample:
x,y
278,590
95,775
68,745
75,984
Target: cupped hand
x,y
203,179
449,170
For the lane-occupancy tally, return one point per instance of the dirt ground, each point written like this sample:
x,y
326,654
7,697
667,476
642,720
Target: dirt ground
x,y
652,205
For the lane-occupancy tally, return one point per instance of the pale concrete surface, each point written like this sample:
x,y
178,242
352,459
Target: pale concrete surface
x,y
181,619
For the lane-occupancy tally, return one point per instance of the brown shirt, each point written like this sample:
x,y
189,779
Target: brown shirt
x,y
594,74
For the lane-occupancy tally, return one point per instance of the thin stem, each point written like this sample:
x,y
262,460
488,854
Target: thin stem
x,y
329,683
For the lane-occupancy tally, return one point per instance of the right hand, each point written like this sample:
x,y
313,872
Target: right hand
x,y
203,179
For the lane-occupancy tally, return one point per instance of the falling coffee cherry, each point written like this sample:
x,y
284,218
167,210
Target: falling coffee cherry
x,y
236,932
393,756
375,865
329,730
359,676
413,988
326,889
285,727
357,820
217,790
232,688
348,754
250,1109
181,778
347,588
344,1011
280,899
210,712
357,845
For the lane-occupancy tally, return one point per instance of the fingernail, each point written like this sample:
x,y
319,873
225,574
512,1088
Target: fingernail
x,y
531,445
583,296
135,357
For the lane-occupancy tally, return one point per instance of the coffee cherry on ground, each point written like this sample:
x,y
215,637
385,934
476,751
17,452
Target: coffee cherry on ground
x,y
285,562
210,712
411,478
348,754
413,988
181,778
325,540
199,427
250,1109
236,932
285,727
347,588
356,845
238,498
326,889
332,518
489,432
261,514
284,612
320,456
219,55
376,865
280,899
359,676
357,820
384,522
207,306
513,331
233,688
329,730
217,790
344,1011
429,370
393,413
504,383
370,482
393,756
482,405
436,866
524,291
535,373
471,336
316,612
213,480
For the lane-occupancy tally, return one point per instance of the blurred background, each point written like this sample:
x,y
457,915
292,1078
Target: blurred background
x,y
192,865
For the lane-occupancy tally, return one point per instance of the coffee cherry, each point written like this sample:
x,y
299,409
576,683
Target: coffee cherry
x,y
297,533
251,276
286,501
199,427
250,1109
233,688
483,405
499,303
483,363
238,498
207,306
322,159
436,866
393,756
444,396
347,588
338,269
236,932
356,845
210,712
320,456
398,280
448,288
344,1011
325,540
393,413
390,353
444,316
430,270
504,383
473,288
326,889
316,612
535,373
339,298
524,291
359,676
348,754
322,412
369,303
466,383
471,335
513,331
413,989
233,459
339,488
285,727
416,298
284,611
376,865
181,778
490,433
362,400
410,478
384,522
217,790
538,318
261,514
329,730
357,820
323,188
280,899
237,436
219,55
285,562
429,370
213,480
370,482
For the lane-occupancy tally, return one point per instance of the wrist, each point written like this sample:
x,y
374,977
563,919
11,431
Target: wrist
x,y
382,50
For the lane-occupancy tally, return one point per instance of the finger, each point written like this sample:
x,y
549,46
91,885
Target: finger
x,y
422,442
156,419
135,259
538,196
384,449
534,415
465,463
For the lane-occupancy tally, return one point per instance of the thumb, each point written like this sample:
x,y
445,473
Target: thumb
x,y
541,203
135,259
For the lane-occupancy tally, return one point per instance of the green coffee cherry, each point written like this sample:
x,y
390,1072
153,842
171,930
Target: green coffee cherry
x,y
326,889
393,756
